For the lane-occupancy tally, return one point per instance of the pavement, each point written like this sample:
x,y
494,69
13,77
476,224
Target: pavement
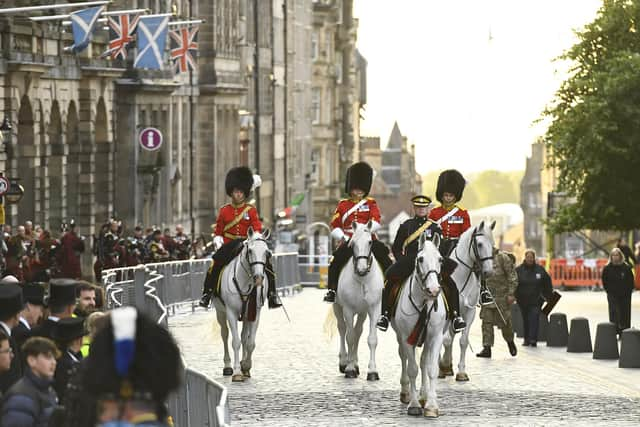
x,y
295,379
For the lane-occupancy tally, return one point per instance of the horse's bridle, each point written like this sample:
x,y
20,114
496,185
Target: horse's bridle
x,y
478,260
247,272
369,259
422,281
252,263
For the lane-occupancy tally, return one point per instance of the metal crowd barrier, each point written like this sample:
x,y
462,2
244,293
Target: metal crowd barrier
x,y
313,270
187,411
161,290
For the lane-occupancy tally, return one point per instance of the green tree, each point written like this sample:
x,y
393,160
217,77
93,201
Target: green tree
x,y
594,135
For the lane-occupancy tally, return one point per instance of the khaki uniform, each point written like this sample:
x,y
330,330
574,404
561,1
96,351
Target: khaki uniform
x,y
502,284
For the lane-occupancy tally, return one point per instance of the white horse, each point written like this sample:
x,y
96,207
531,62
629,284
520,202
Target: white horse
x,y
244,275
474,252
359,293
421,290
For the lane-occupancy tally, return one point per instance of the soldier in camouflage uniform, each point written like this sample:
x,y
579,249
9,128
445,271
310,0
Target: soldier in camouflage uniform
x,y
502,285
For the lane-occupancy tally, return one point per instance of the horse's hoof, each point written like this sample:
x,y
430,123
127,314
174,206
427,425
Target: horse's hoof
x,y
342,368
373,376
441,374
350,374
462,376
237,378
423,402
357,370
227,372
414,411
247,373
431,413
404,398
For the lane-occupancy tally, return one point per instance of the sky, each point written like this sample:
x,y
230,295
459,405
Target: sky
x,y
465,79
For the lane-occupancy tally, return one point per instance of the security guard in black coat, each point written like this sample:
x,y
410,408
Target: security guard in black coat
x,y
10,306
405,250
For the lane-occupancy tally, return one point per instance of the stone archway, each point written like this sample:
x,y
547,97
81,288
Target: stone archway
x,y
103,185
72,166
53,176
24,161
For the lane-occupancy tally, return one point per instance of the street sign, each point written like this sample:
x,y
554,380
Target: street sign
x,y
4,185
150,139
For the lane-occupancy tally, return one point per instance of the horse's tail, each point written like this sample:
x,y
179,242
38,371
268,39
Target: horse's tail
x,y
330,324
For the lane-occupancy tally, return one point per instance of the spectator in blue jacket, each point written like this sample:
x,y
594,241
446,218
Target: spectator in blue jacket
x,y
31,401
534,286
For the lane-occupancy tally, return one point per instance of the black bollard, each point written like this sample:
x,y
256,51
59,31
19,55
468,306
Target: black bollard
x,y
558,332
543,327
516,319
606,346
630,349
579,336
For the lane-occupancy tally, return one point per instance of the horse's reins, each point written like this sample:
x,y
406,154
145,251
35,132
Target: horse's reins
x,y
369,259
238,260
422,281
478,260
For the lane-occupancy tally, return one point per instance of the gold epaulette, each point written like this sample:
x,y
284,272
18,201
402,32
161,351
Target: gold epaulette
x,y
370,198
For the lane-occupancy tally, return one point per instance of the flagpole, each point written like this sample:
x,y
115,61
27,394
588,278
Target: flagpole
x,y
191,124
53,6
195,21
65,16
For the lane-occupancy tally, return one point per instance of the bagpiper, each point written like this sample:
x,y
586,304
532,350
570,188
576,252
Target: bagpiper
x,y
454,220
234,220
359,207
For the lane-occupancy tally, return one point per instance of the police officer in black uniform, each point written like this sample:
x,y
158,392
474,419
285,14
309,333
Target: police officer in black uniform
x,y
405,251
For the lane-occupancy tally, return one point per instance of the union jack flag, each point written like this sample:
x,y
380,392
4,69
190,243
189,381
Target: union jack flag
x,y
184,44
121,29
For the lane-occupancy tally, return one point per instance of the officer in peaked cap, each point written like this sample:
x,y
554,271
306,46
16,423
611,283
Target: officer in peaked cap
x,y
10,306
61,302
405,250
68,335
33,296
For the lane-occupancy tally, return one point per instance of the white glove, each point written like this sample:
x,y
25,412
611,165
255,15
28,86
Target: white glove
x,y
338,234
218,241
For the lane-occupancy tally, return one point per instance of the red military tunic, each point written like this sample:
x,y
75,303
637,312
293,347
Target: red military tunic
x,y
368,210
455,225
234,221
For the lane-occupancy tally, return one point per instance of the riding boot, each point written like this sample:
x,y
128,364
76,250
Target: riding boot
x,y
274,300
210,282
486,352
453,299
383,321
332,283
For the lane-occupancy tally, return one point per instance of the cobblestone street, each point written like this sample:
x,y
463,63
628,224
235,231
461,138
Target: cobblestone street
x,y
295,378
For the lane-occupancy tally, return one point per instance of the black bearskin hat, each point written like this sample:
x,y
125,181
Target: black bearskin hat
x,y
359,175
450,181
132,357
240,178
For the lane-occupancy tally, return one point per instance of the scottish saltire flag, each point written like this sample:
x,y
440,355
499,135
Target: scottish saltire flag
x,y
83,23
121,29
152,36
184,44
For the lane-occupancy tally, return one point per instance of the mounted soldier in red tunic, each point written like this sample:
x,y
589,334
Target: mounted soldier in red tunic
x,y
232,225
357,208
454,220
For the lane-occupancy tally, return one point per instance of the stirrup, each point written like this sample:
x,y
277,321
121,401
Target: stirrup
x,y
330,296
383,323
459,324
486,298
205,300
274,301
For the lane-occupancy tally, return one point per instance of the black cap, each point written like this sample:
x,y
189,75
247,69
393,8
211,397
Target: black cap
x,y
62,292
69,329
33,293
421,201
10,300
